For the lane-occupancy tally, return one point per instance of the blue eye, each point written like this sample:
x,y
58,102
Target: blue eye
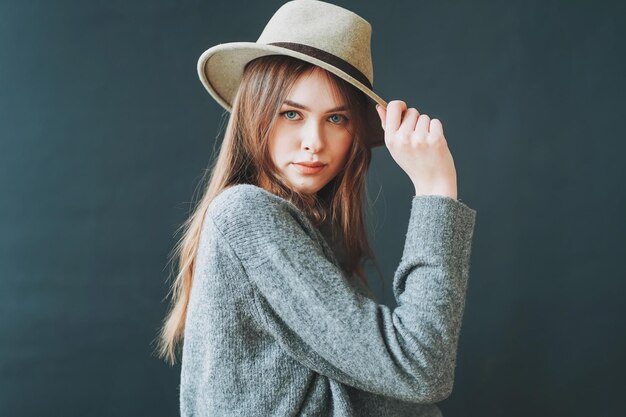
x,y
341,117
289,111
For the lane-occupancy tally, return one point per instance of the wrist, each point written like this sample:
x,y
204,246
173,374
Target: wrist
x,y
441,192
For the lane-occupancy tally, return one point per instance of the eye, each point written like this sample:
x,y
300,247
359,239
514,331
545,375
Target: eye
x,y
289,111
341,116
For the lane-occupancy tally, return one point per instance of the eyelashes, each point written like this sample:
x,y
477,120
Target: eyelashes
x,y
343,120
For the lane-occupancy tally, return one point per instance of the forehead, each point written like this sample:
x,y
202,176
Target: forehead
x,y
314,90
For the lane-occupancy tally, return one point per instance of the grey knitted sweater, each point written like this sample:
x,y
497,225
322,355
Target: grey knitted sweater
x,y
276,328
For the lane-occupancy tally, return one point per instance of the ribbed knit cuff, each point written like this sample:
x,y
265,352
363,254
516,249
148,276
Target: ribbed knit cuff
x,y
440,226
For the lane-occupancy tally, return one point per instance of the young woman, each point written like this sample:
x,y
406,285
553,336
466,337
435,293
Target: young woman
x,y
270,300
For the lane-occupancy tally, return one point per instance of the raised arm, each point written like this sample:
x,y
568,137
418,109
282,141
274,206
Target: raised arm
x,y
312,310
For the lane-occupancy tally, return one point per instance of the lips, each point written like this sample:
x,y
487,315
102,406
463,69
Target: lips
x,y
310,164
308,168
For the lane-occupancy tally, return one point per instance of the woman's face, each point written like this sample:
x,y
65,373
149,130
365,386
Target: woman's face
x,y
311,127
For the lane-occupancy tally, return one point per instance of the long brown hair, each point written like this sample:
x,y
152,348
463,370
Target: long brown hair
x,y
244,158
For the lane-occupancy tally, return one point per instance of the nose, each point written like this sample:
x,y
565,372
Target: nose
x,y
312,137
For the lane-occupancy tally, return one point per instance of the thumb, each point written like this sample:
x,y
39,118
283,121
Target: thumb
x,y
382,114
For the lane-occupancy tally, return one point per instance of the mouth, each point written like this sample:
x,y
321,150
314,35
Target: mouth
x,y
313,168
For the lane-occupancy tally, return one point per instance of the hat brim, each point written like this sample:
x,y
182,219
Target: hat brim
x,y
220,69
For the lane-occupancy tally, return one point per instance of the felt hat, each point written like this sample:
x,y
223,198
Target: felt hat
x,y
329,36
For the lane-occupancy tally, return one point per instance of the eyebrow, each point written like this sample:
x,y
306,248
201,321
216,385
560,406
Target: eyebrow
x,y
303,107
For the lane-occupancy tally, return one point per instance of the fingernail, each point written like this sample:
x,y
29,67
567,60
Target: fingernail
x,y
377,106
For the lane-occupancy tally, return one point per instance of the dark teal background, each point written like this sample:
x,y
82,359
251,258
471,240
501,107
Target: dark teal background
x,y
105,131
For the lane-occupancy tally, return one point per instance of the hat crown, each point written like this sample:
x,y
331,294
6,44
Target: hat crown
x,y
324,26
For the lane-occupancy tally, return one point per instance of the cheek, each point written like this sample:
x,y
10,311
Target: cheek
x,y
281,149
341,152
344,146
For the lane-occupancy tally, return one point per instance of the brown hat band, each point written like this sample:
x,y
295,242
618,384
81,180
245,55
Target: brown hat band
x,y
328,58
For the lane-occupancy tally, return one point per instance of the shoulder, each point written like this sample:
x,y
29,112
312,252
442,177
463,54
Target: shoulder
x,y
255,222
243,198
248,207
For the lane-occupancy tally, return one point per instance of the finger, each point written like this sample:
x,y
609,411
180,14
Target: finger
x,y
422,123
436,127
395,108
410,118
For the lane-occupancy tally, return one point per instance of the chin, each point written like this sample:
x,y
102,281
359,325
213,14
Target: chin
x,y
307,188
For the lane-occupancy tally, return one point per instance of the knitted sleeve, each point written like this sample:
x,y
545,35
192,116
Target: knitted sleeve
x,y
307,304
